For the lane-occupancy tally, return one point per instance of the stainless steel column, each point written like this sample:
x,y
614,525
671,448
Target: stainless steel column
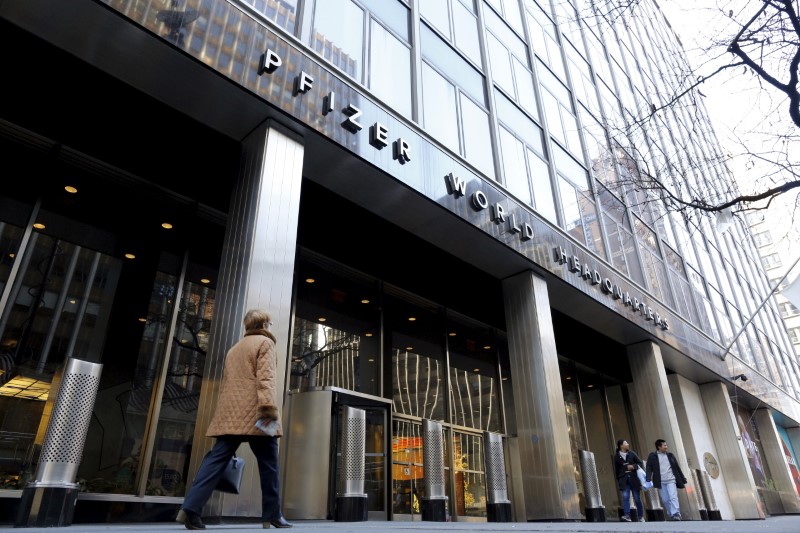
x,y
434,500
49,500
773,447
653,510
595,511
548,472
256,271
351,500
498,506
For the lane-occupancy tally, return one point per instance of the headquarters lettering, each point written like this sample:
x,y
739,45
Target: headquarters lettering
x,y
593,276
378,133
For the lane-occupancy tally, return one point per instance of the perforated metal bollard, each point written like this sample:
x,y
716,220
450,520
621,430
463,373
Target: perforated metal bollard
x,y
698,496
498,506
704,483
351,500
652,506
434,502
595,511
49,500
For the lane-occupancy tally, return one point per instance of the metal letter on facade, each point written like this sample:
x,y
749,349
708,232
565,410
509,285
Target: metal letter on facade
x,y
49,500
595,511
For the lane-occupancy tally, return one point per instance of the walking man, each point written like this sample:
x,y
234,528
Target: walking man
x,y
665,474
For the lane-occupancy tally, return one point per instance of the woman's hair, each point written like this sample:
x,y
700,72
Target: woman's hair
x,y
256,319
619,443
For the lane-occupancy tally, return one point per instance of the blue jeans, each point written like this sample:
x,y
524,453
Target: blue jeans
x,y
266,451
625,495
669,495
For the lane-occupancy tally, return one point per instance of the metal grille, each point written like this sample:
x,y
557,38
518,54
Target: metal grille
x,y
350,471
591,485
433,459
496,489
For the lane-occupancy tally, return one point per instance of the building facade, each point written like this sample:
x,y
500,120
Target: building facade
x,y
426,198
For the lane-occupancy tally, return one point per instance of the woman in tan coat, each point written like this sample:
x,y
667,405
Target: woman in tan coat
x,y
247,394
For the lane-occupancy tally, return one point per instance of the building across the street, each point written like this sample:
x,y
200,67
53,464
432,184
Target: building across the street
x,y
424,195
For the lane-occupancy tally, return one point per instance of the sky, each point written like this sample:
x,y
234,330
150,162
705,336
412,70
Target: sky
x,y
730,102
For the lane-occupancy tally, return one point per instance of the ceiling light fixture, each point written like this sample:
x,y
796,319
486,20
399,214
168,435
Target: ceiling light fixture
x,y
70,189
39,225
310,280
166,225
130,256
205,280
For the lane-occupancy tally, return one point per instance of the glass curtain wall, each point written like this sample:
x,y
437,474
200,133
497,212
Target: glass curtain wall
x,y
77,282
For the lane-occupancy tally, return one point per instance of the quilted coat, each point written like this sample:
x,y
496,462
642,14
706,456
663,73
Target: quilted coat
x,y
248,389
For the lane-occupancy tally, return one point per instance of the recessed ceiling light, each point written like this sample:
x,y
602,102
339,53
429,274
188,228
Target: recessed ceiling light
x,y
39,225
310,280
476,369
487,347
205,280
70,189
364,301
166,225
322,319
142,320
12,255
412,319
409,348
368,334
130,256
371,360
452,333
73,301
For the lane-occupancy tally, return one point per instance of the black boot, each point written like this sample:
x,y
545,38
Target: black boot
x,y
192,520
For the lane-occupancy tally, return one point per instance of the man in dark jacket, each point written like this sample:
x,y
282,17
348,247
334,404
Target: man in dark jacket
x,y
626,462
666,475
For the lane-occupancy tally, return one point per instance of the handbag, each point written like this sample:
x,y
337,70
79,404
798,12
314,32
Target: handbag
x,y
231,478
643,479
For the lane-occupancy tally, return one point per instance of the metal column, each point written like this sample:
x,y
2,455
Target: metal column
x,y
49,500
707,495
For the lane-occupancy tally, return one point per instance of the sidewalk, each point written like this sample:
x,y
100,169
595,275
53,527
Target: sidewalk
x,y
778,524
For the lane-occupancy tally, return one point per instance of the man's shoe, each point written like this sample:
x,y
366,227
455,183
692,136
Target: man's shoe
x,y
277,522
641,519
676,517
192,520
625,518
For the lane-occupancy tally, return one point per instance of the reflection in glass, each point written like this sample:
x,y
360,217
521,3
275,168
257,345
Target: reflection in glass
x,y
439,116
406,467
58,308
390,69
470,480
338,35
169,467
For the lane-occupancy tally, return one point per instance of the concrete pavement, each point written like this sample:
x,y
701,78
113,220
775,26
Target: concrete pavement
x,y
778,524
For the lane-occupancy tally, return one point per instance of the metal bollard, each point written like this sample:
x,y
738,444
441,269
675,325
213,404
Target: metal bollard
x,y
351,500
698,496
434,503
595,511
652,506
498,506
708,495
49,500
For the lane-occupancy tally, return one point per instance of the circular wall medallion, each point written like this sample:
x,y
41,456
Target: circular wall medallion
x,y
712,467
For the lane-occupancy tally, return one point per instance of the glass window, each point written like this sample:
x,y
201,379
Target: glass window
x,y
468,472
281,12
464,32
391,12
338,35
514,168
544,200
477,136
544,39
580,216
439,115
390,69
621,243
438,53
